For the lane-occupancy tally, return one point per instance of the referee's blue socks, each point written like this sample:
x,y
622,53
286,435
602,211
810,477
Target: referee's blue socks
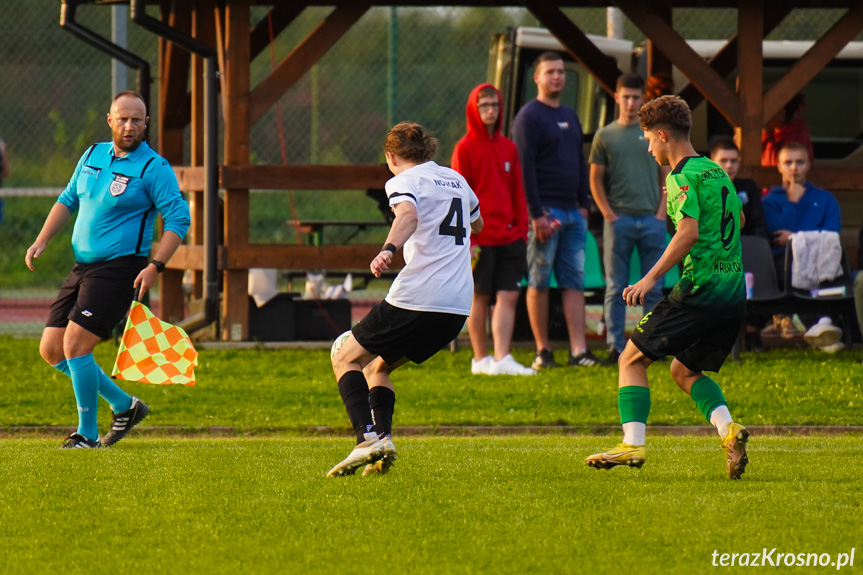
x,y
355,395
118,399
85,382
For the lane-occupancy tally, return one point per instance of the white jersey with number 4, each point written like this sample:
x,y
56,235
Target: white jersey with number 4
x,y
437,275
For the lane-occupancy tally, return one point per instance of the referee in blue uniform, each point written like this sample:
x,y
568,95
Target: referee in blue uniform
x,y
116,190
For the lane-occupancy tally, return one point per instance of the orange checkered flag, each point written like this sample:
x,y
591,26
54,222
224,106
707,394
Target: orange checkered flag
x,y
153,351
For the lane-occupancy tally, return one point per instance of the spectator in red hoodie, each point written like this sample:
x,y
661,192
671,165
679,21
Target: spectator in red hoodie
x,y
489,163
785,127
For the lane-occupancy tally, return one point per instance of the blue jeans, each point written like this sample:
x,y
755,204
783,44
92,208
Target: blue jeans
x,y
563,252
619,239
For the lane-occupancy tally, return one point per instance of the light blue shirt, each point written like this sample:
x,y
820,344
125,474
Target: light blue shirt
x,y
117,200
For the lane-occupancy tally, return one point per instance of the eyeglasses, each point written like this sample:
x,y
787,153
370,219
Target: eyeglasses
x,y
495,105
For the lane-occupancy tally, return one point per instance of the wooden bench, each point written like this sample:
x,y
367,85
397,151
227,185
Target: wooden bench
x,y
315,228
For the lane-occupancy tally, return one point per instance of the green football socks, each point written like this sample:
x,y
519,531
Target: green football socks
x,y
634,403
707,396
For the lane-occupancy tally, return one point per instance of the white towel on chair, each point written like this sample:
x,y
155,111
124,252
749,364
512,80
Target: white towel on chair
x,y
817,258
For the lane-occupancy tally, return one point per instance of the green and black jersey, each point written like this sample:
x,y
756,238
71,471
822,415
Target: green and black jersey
x,y
712,278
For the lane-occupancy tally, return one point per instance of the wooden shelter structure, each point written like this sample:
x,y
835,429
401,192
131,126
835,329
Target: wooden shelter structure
x,y
224,26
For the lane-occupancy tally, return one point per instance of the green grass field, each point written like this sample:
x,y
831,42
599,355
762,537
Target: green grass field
x,y
258,500
466,505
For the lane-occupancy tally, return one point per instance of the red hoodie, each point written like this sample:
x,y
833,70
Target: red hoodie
x,y
490,165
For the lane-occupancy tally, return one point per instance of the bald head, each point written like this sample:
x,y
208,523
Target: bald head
x,y
128,121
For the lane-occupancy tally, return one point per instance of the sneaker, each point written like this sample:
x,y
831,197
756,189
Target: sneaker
x,y
584,359
381,466
823,333
78,441
364,453
482,366
544,360
773,328
789,330
509,366
124,422
612,360
833,348
621,454
735,450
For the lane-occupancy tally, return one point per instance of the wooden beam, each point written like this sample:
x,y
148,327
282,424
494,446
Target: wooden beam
x,y
305,177
750,26
174,106
576,43
657,62
235,310
303,57
172,97
190,178
285,257
685,58
814,60
282,15
305,257
725,61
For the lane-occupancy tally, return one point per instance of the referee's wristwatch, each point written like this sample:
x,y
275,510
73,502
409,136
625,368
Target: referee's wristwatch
x,y
160,266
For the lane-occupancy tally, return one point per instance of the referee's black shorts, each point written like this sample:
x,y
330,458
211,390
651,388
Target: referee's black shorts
x,y
699,341
97,296
393,333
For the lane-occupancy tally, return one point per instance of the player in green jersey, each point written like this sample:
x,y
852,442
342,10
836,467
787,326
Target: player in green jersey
x,y
699,321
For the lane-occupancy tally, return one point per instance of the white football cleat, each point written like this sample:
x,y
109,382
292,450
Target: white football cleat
x,y
383,465
364,453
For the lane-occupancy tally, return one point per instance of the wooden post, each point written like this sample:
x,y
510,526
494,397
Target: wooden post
x,y
203,29
235,47
173,116
750,81
657,62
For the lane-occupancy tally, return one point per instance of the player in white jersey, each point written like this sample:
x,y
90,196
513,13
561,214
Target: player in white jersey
x,y
428,303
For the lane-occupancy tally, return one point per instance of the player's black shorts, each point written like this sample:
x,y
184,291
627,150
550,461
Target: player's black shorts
x,y
97,296
697,340
500,268
393,333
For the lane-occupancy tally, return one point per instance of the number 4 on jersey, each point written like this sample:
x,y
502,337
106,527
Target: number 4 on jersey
x,y
454,216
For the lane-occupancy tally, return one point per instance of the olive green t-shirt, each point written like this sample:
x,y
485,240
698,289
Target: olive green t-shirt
x,y
632,175
712,278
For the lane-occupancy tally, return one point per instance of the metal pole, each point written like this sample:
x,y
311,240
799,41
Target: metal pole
x,y
119,15
393,68
614,22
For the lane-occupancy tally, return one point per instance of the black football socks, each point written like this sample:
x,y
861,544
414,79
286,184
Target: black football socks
x,y
355,395
383,402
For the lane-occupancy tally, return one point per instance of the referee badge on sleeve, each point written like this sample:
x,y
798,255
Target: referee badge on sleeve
x,y
118,186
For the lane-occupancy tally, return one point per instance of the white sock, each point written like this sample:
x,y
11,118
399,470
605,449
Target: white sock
x,y
720,418
633,432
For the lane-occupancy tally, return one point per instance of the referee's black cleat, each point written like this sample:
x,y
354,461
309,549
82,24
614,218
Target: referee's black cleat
x,y
124,422
78,441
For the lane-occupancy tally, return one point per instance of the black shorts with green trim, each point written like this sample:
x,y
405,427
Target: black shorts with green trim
x,y
699,341
393,333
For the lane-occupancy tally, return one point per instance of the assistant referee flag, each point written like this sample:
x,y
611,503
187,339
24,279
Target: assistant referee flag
x,y
153,351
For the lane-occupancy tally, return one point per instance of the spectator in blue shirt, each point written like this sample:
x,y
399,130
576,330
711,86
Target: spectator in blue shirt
x,y
549,140
116,190
798,206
